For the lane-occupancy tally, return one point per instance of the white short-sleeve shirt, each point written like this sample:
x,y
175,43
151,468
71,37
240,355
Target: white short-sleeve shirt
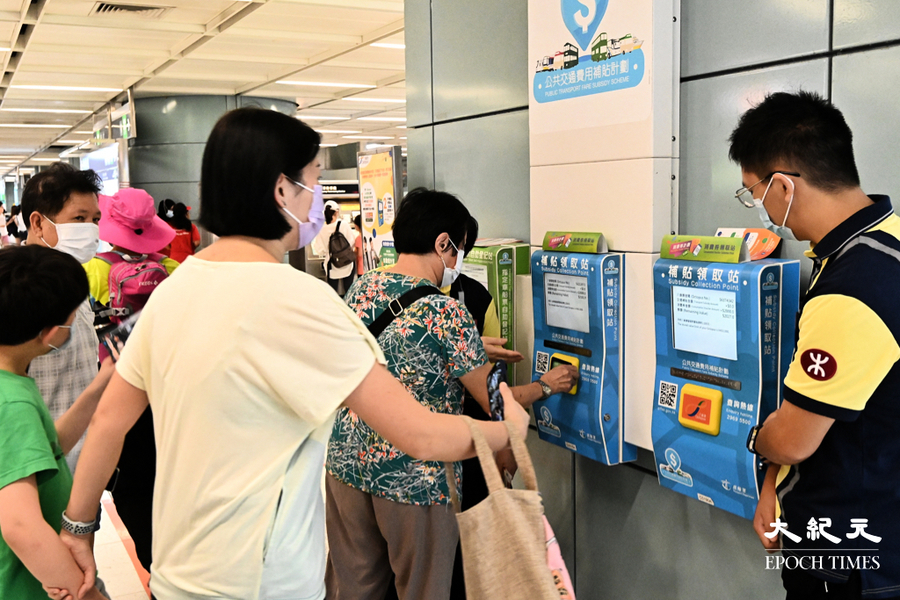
x,y
245,365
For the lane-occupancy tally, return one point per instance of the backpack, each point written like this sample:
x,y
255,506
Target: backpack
x,y
131,281
339,249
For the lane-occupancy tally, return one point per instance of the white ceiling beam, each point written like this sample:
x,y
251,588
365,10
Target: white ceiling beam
x,y
129,24
323,57
101,51
295,36
392,6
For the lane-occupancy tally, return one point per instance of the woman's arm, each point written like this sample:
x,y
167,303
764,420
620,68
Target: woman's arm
x,y
560,379
120,407
388,408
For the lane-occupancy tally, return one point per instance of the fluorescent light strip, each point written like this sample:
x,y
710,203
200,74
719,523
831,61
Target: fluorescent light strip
x,y
368,137
61,111
327,145
43,159
337,131
392,46
320,118
83,132
327,84
383,100
386,119
70,141
34,126
64,88
401,127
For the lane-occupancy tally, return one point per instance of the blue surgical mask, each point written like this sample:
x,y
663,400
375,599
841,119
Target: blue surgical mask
x,y
783,231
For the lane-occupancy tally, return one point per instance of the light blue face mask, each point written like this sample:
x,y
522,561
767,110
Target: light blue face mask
x,y
782,231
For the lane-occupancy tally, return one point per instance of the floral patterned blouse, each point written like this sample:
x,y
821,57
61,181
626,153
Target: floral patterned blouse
x,y
428,347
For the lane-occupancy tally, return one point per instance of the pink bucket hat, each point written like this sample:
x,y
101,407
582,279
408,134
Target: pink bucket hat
x,y
129,220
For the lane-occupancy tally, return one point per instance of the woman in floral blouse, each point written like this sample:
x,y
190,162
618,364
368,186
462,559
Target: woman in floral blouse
x,y
386,511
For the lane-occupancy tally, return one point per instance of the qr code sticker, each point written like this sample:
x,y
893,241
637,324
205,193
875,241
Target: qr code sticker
x,y
542,364
668,394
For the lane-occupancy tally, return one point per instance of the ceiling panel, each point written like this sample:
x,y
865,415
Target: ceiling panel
x,y
203,47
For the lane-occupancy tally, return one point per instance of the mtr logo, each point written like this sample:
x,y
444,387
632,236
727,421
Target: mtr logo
x,y
818,364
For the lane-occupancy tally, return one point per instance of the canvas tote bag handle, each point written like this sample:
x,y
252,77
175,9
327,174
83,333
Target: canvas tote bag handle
x,y
489,467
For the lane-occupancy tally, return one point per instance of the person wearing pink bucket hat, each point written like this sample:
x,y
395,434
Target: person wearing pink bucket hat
x,y
129,220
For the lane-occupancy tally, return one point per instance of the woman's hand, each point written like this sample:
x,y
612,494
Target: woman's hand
x,y
561,379
81,548
513,411
495,351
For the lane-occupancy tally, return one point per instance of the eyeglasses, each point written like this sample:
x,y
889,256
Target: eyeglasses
x,y
745,196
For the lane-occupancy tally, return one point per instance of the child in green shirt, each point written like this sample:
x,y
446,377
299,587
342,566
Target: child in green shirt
x,y
40,289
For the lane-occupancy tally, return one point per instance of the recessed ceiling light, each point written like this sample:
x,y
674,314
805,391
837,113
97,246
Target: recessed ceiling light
x,y
320,118
70,141
44,159
61,111
368,137
385,45
34,126
327,84
64,88
83,132
386,119
403,137
401,126
327,145
384,100
337,131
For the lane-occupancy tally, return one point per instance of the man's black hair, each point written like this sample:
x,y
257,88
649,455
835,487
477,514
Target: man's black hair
x,y
425,214
801,131
39,288
471,233
246,152
48,191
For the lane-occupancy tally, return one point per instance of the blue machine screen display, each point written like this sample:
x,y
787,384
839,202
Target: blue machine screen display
x,y
704,321
566,302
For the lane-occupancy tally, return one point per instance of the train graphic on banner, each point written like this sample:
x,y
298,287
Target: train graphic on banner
x,y
602,48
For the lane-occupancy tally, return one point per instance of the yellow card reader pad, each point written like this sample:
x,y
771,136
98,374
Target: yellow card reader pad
x,y
700,408
557,359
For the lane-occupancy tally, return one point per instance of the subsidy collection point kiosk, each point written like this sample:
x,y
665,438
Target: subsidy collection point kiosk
x,y
578,320
724,337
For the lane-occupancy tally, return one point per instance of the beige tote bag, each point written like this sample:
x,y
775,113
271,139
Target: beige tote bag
x,y
503,538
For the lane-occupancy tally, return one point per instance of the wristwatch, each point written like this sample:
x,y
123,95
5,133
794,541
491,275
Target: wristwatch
x,y
77,527
751,439
546,390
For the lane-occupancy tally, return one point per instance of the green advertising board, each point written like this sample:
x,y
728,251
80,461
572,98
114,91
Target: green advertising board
x,y
573,241
495,265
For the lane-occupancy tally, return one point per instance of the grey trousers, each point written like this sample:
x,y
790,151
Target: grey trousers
x,y
369,538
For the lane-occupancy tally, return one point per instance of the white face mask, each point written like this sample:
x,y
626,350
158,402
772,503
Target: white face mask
x,y
79,240
450,274
170,213
65,344
783,231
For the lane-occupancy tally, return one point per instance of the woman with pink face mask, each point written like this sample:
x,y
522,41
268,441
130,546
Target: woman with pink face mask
x,y
244,362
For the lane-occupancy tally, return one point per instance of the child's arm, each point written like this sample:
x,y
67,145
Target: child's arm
x,y
71,426
32,539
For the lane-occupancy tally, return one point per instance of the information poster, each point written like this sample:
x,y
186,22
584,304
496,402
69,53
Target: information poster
x,y
379,192
578,320
724,336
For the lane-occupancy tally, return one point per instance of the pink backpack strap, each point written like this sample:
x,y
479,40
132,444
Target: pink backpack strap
x,y
110,258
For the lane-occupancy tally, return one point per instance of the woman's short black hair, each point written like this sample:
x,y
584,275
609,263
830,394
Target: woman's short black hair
x,y
329,214
48,191
425,214
471,233
245,153
39,288
357,220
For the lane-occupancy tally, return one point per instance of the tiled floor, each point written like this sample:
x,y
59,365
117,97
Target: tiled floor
x,y
116,562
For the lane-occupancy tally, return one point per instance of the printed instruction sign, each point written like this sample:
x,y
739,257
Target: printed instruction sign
x,y
378,193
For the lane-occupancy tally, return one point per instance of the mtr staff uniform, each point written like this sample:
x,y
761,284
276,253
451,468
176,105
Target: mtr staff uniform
x,y
845,367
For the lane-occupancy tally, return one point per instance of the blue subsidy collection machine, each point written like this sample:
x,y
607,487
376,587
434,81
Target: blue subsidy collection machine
x,y
724,337
578,319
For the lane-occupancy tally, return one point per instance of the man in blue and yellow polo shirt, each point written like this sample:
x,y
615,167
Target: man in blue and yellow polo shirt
x,y
834,501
